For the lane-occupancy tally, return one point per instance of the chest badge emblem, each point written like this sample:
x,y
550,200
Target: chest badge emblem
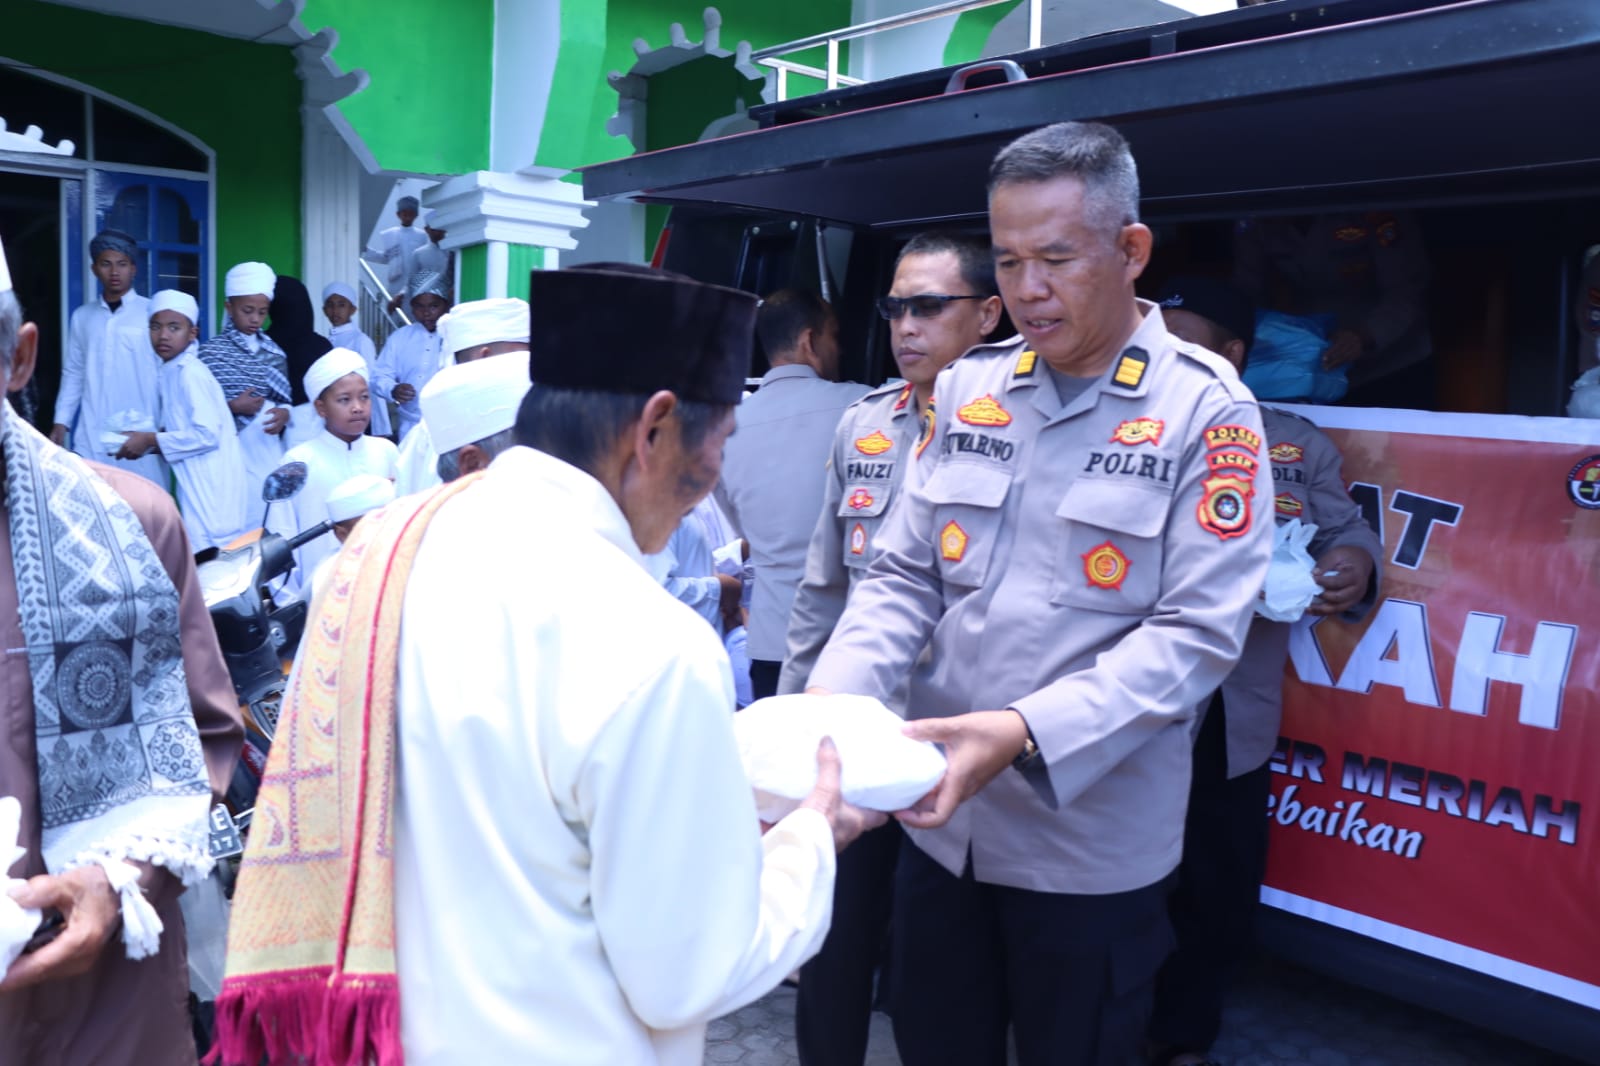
x,y
953,542
1286,453
1139,431
1105,566
858,540
860,499
1288,505
874,443
984,411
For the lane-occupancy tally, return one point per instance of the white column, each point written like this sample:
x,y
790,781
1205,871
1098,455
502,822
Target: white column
x,y
499,265
330,205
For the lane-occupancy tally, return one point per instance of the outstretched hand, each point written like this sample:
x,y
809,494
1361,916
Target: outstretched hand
x,y
847,820
977,746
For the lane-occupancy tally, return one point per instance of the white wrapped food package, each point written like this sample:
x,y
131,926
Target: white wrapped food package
x,y
1585,399
118,426
881,768
17,923
1289,587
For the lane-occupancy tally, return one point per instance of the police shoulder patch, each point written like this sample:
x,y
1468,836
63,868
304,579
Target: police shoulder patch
x,y
1225,509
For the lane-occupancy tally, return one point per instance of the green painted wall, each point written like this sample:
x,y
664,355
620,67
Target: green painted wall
x,y
972,31
199,83
597,38
426,109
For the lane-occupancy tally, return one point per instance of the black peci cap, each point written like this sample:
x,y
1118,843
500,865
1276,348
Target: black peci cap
x,y
1213,299
619,327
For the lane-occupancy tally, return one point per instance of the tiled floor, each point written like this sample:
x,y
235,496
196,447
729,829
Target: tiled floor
x,y
1281,1016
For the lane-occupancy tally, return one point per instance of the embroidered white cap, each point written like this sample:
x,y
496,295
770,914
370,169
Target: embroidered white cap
x,y
355,496
331,367
479,322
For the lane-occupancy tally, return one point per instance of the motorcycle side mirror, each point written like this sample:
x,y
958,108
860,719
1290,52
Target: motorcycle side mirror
x,y
284,482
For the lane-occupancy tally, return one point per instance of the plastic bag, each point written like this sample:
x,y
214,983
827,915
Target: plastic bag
x,y
1286,359
17,923
205,921
881,768
1289,588
118,426
1585,401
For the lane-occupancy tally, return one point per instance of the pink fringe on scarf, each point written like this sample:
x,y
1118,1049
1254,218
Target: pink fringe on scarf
x,y
302,1017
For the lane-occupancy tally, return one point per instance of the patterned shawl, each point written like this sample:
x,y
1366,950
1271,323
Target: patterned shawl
x,y
311,944
238,369
121,773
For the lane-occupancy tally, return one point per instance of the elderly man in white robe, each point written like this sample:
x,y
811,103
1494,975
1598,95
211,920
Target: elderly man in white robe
x,y
338,384
578,874
473,330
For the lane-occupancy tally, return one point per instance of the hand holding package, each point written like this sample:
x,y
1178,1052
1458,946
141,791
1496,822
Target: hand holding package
x,y
118,426
1290,587
17,923
881,768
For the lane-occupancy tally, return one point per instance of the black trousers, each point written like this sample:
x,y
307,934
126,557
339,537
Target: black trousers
x,y
1219,882
833,1010
1071,975
764,678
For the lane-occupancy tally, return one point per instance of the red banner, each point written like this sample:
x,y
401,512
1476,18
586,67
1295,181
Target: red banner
x,y
1434,784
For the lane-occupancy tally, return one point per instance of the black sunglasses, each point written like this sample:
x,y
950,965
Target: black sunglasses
x,y
924,305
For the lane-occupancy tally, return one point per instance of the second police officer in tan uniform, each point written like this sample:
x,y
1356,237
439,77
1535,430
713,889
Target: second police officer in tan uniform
x,y
1225,839
1082,537
942,301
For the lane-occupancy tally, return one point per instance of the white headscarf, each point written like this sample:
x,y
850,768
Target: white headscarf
x,y
479,322
331,367
250,279
176,300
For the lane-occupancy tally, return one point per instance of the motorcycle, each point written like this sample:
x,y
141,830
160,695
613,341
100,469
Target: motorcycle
x,y
258,635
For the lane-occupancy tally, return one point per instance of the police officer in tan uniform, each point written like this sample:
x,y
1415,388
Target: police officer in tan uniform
x,y
1225,839
942,301
1081,536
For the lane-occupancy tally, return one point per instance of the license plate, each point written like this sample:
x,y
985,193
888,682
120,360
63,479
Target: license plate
x,y
225,839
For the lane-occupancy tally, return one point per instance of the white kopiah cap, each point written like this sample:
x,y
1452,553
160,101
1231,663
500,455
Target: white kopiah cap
x,y
358,495
466,402
176,300
479,322
331,367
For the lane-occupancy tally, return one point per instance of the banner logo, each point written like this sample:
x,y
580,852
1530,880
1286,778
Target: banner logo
x,y
1583,483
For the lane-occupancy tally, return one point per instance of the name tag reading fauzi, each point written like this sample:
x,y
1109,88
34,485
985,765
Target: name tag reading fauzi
x,y
863,471
1129,464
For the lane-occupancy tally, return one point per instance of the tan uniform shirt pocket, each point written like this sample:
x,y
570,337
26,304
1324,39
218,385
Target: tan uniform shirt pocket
x,y
1111,546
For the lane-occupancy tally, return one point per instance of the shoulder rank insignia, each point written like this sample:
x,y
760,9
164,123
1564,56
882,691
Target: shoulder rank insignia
x,y
858,540
1286,453
874,443
928,421
1130,368
1225,508
1236,463
1243,436
1105,566
1288,505
984,411
903,399
1026,363
1139,431
952,542
859,499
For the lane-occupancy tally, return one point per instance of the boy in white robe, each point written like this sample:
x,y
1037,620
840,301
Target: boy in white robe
x,y
196,433
414,353
339,306
107,367
343,450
